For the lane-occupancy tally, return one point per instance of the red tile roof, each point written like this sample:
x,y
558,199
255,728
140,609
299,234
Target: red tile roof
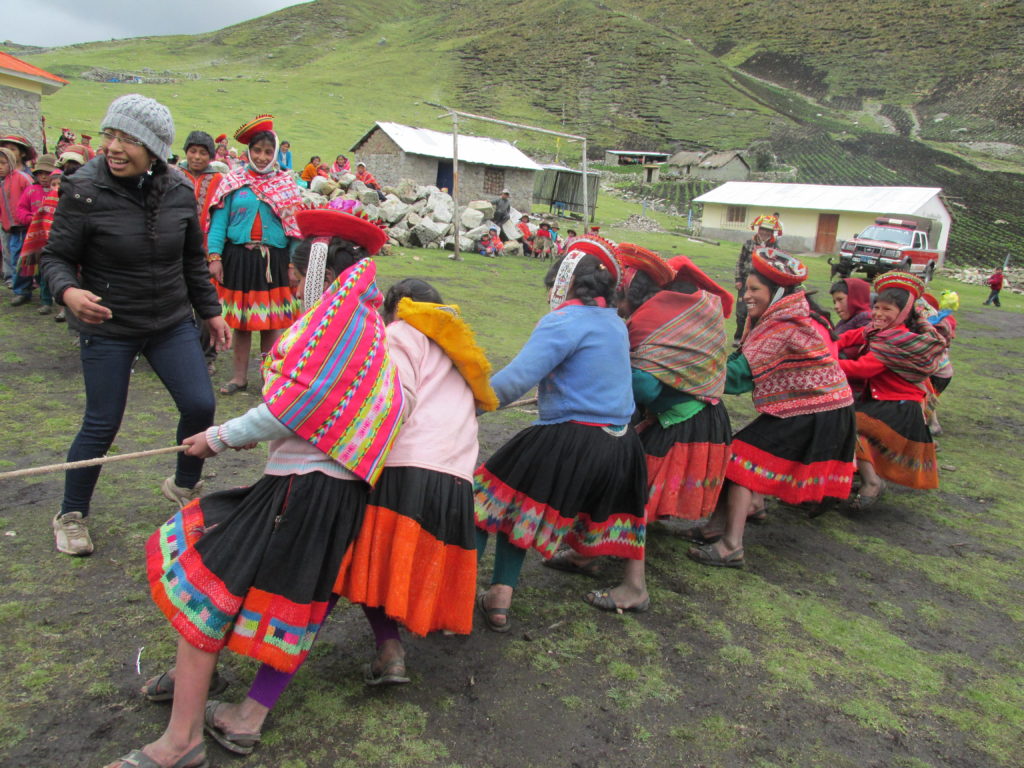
x,y
14,64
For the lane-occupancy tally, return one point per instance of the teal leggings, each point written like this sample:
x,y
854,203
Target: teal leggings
x,y
508,558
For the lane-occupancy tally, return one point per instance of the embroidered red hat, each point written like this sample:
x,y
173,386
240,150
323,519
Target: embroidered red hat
x,y
778,266
635,258
601,249
912,284
21,141
685,269
259,123
222,137
767,221
327,222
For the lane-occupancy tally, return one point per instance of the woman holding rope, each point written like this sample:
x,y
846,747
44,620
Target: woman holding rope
x,y
124,224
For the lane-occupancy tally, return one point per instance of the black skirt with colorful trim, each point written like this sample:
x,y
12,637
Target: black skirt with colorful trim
x,y
797,459
252,569
251,302
686,464
574,483
415,555
894,436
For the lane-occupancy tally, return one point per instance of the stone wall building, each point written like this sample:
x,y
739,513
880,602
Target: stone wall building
x,y
393,152
22,87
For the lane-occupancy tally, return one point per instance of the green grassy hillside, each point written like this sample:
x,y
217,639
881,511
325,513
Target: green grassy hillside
x,y
883,87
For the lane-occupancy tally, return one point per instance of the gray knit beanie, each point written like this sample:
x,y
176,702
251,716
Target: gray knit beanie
x,y
145,119
201,139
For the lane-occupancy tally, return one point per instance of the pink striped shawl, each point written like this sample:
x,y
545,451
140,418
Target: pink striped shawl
x,y
278,190
330,379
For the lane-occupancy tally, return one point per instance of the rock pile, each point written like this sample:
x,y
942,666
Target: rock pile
x,y
417,215
637,223
1013,278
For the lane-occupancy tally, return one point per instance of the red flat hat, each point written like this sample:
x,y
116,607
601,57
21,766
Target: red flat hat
x,y
326,222
912,284
21,141
219,139
778,266
254,126
687,270
633,256
601,249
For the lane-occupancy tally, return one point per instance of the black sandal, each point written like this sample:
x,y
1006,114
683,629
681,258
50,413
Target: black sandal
x,y
488,613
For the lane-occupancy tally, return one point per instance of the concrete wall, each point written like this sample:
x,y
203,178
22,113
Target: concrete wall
x,y
385,160
20,113
799,226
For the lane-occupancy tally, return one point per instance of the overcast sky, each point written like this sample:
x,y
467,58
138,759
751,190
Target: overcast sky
x,y
62,22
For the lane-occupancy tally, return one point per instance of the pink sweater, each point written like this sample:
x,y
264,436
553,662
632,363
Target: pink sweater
x,y
440,430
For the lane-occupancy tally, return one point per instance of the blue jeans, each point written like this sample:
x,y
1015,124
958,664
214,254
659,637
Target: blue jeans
x,y
20,285
177,359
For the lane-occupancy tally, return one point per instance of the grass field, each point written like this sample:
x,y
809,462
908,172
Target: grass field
x,y
891,637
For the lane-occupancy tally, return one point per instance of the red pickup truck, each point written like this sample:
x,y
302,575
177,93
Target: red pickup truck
x,y
887,244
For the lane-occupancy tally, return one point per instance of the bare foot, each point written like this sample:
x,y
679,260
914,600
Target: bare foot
x,y
247,716
166,754
498,596
622,597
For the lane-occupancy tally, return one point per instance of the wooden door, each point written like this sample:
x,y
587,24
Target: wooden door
x,y
828,225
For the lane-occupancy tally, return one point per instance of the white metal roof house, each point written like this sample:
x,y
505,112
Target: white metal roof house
x,y
393,152
814,216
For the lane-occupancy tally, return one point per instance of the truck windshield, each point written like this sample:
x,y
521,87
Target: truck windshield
x,y
888,234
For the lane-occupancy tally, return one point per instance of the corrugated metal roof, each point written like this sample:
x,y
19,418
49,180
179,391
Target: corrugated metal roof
x,y
636,152
13,64
821,197
472,149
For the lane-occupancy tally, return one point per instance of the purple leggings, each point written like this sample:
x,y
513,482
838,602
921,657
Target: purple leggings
x,y
270,683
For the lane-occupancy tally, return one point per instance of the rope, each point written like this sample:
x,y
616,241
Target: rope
x,y
516,404
89,462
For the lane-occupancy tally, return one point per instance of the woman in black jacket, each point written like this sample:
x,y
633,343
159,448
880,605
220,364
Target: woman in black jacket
x,y
126,257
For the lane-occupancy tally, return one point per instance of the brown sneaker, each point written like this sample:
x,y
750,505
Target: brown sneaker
x,y
72,534
177,494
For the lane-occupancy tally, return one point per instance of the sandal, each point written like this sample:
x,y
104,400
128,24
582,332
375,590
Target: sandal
x,y
392,674
231,388
602,600
863,501
488,613
699,535
562,561
139,759
161,688
708,555
239,743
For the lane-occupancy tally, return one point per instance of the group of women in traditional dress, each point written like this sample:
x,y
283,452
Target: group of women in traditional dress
x,y
371,491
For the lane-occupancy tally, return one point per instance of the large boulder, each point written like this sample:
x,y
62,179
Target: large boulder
x,y
312,199
419,206
471,218
425,191
406,191
323,186
465,244
510,230
440,207
486,208
369,197
372,211
411,220
428,232
393,209
356,188
476,233
512,248
346,179
400,235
